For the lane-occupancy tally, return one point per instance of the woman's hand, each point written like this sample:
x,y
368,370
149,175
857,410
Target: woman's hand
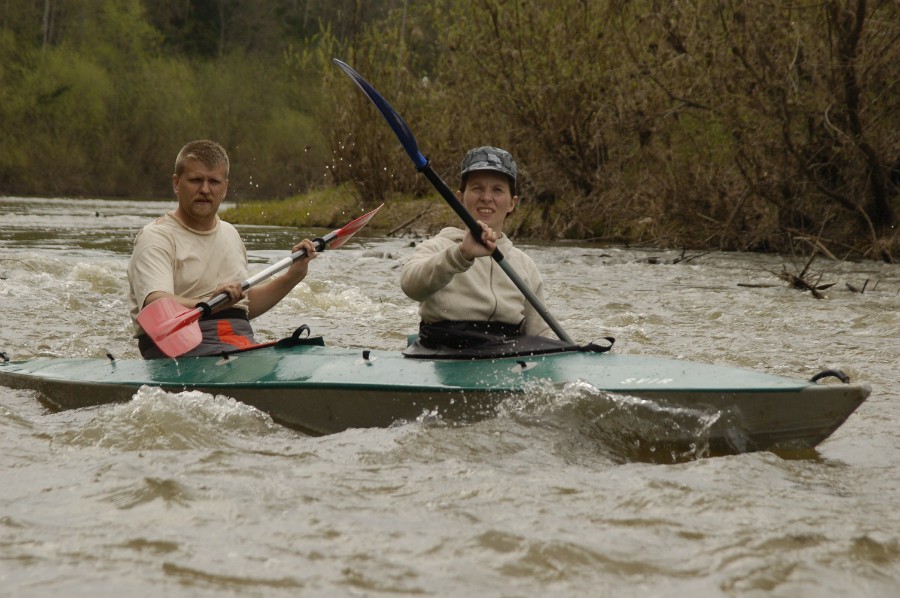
x,y
471,248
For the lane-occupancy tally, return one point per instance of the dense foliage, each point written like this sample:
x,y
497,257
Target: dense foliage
x,y
97,96
707,123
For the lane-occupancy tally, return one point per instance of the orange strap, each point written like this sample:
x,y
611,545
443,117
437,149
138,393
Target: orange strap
x,y
229,336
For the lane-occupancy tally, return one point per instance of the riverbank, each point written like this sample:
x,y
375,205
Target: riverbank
x,y
333,207
405,215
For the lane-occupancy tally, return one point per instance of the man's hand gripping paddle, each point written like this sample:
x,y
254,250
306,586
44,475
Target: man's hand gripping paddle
x,y
422,165
174,328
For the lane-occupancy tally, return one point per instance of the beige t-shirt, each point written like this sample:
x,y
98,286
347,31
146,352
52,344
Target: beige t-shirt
x,y
168,256
451,287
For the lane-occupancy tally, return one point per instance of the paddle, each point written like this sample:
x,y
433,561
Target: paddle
x,y
422,165
174,327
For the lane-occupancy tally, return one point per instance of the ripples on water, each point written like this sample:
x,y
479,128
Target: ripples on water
x,y
567,491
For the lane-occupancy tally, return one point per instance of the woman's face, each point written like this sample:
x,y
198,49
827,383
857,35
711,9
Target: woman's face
x,y
488,198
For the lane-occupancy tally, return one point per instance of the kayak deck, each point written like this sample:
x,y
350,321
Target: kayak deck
x,y
322,390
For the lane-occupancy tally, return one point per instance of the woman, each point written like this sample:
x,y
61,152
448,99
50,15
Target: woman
x,y
466,298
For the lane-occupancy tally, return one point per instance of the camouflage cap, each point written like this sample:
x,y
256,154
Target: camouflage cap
x,y
489,158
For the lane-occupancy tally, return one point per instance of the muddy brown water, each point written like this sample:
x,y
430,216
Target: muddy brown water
x,y
194,495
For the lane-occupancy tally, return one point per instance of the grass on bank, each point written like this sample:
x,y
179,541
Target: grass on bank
x,y
405,215
333,207
408,216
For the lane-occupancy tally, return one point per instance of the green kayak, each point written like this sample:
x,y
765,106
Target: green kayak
x,y
322,390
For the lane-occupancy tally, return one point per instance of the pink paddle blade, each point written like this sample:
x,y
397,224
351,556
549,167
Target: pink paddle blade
x,y
343,235
171,326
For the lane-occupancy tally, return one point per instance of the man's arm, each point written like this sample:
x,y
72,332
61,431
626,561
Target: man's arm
x,y
265,296
232,289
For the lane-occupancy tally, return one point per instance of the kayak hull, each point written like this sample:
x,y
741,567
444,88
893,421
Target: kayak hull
x,y
323,390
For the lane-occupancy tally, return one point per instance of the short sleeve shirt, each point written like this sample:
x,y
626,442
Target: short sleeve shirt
x,y
171,257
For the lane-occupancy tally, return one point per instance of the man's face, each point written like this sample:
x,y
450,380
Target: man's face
x,y
200,191
488,198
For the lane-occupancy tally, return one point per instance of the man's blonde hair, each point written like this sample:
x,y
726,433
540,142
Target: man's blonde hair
x,y
208,153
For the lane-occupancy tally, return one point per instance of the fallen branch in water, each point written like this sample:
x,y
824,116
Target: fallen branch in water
x,y
801,283
685,259
863,289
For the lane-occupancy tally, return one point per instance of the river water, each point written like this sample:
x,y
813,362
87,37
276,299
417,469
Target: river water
x,y
194,495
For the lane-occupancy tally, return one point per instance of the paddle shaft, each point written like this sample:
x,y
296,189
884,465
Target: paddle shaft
x,y
221,298
497,255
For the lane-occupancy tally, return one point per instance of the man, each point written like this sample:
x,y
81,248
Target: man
x,y
191,256
464,294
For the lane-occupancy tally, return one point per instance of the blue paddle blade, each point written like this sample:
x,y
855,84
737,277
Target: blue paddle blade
x,y
390,115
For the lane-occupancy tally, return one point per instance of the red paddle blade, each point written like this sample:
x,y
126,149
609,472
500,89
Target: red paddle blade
x,y
343,235
172,326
